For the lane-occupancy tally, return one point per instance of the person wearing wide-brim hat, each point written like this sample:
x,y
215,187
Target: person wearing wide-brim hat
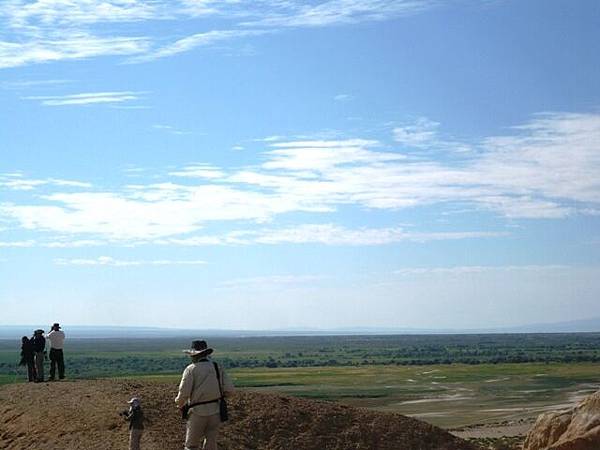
x,y
203,386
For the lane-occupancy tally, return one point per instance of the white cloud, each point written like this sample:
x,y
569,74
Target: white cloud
x,y
273,138
418,134
109,261
199,171
330,234
324,155
342,97
88,98
145,212
65,13
75,45
326,234
17,244
24,84
17,182
335,12
556,156
21,185
272,281
52,30
525,207
548,168
473,270
170,129
69,243
196,40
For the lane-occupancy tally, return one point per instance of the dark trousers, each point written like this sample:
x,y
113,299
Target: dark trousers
x,y
39,366
30,369
57,359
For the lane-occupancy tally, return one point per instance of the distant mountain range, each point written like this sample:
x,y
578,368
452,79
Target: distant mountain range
x,y
91,332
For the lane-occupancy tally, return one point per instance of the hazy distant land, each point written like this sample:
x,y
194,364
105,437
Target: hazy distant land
x,y
110,331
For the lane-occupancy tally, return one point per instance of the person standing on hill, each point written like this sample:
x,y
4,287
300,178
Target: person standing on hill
x,y
57,341
136,419
38,342
28,357
203,387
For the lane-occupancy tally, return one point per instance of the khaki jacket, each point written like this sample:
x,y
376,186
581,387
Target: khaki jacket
x,y
199,384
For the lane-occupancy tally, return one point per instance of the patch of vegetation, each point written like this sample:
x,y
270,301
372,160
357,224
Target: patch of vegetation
x,y
468,385
103,357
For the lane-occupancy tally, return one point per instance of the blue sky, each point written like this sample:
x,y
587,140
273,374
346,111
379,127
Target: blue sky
x,y
270,164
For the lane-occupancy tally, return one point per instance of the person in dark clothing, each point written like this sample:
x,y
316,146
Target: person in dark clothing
x,y
136,419
38,342
27,357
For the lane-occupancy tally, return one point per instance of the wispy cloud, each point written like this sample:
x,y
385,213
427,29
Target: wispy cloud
x,y
475,270
196,40
76,45
326,234
547,168
24,84
273,138
199,171
22,14
170,129
336,12
330,234
17,244
109,261
272,281
89,98
420,133
17,182
55,30
342,97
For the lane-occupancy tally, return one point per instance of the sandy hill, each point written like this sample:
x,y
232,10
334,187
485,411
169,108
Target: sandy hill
x,y
84,415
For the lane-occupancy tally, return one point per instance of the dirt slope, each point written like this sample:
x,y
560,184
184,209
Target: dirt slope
x,y
84,415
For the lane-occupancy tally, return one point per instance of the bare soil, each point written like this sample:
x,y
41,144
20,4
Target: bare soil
x,y
85,415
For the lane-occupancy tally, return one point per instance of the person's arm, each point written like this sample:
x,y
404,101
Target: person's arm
x,y
127,415
185,387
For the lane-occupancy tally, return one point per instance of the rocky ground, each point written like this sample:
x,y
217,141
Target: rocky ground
x,y
85,415
576,428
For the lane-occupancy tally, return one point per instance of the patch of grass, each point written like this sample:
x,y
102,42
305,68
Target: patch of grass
x,y
9,379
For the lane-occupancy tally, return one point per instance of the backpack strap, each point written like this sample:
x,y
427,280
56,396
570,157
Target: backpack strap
x,y
218,379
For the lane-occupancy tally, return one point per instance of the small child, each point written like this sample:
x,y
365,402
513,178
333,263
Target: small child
x,y
136,419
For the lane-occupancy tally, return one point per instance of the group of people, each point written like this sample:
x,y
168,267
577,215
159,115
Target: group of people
x,y
201,397
33,354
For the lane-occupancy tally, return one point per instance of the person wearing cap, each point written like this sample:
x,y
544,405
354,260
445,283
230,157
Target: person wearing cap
x,y
38,342
136,419
57,342
201,389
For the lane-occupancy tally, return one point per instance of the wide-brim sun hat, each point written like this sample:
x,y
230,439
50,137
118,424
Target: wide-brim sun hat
x,y
198,348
